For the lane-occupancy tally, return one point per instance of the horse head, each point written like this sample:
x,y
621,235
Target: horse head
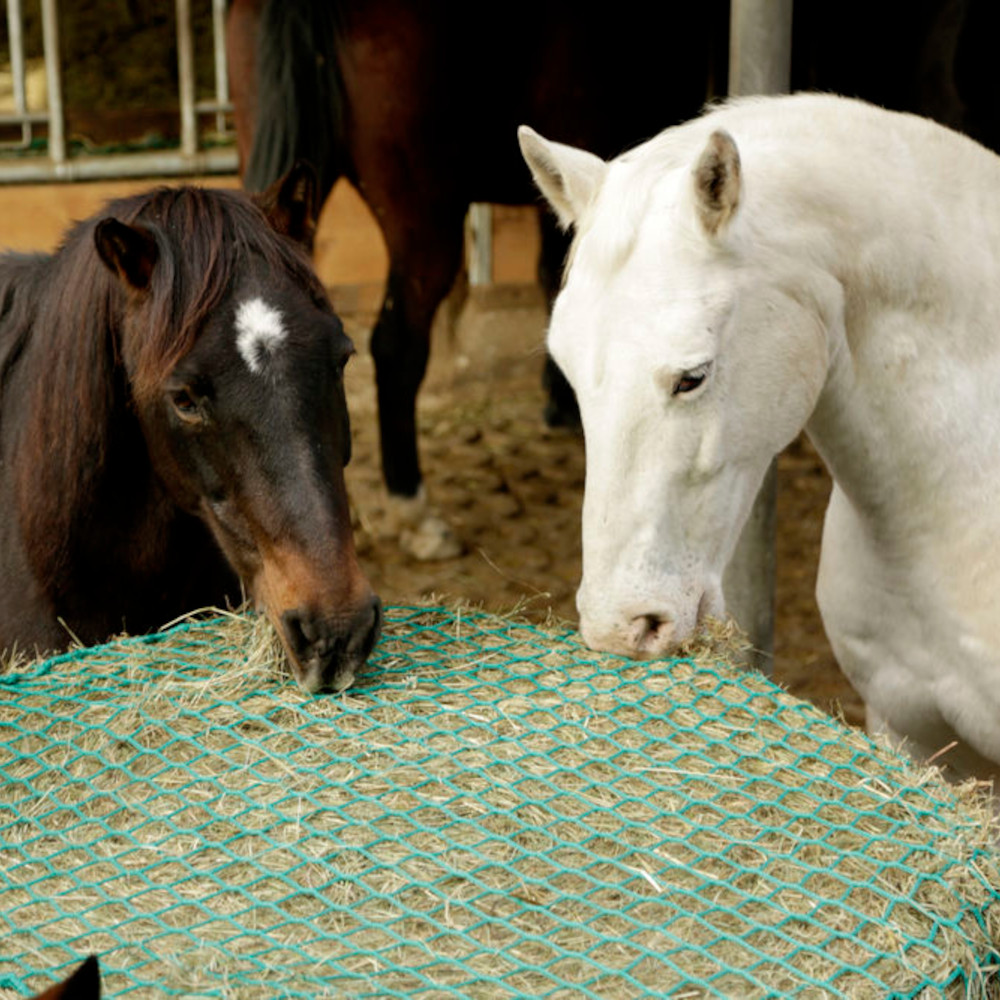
x,y
235,361
695,359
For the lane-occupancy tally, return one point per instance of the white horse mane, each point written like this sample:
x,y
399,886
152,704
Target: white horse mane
x,y
766,129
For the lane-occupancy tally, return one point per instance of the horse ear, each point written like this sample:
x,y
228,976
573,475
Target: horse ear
x,y
290,204
717,182
567,176
84,984
128,251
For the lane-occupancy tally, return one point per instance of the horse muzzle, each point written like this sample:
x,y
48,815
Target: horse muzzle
x,y
651,626
327,651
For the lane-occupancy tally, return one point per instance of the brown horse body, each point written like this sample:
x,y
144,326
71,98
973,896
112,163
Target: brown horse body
x,y
417,102
146,468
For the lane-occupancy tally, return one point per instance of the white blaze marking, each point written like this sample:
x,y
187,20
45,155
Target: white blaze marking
x,y
259,331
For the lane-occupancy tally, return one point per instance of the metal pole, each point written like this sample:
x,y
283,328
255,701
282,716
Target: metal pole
x,y
37,170
185,76
24,117
760,46
15,32
53,80
221,69
481,243
760,54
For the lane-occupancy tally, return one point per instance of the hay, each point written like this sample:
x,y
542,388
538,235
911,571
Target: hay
x,y
492,812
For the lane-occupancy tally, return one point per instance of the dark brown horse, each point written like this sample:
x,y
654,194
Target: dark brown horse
x,y
417,102
173,423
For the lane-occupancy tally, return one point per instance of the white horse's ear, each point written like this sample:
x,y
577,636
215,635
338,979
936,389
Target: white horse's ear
x,y
717,182
567,176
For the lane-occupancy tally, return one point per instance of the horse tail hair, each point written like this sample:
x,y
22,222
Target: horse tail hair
x,y
300,95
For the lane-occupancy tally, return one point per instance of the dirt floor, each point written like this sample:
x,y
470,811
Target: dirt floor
x,y
511,488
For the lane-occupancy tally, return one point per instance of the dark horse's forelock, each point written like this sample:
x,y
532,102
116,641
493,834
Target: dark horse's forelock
x,y
68,357
203,238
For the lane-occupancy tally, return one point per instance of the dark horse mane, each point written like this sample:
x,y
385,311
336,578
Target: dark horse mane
x,y
72,368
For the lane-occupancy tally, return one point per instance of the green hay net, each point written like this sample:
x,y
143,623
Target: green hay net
x,y
494,811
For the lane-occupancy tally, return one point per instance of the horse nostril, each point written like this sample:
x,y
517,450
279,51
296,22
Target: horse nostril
x,y
652,633
300,631
310,628
375,629
326,643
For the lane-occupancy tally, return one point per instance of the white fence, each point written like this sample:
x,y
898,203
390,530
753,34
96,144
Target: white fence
x,y
58,163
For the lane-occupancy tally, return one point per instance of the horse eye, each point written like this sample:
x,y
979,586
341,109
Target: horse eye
x,y
185,405
689,381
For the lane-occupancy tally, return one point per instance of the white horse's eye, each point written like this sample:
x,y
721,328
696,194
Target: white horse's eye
x,y
690,380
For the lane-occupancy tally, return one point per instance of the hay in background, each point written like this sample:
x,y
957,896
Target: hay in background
x,y
492,811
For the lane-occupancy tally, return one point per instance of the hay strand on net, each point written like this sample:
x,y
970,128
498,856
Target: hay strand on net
x,y
492,811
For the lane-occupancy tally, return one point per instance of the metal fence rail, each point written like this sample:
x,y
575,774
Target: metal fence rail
x,y
59,164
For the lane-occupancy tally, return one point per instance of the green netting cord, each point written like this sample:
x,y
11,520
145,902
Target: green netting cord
x,y
493,811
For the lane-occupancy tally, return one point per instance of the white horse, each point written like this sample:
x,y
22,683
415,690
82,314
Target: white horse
x,y
780,263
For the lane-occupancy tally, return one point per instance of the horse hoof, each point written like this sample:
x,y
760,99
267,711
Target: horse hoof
x,y
431,540
423,533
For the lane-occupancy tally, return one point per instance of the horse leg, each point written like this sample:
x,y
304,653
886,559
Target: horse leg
x,y
420,275
561,409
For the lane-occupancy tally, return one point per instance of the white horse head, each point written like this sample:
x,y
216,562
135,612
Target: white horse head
x,y
694,359
833,266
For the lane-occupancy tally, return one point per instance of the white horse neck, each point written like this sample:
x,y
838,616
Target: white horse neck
x,y
901,213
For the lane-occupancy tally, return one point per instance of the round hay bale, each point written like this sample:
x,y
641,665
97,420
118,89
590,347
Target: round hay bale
x,y
494,811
